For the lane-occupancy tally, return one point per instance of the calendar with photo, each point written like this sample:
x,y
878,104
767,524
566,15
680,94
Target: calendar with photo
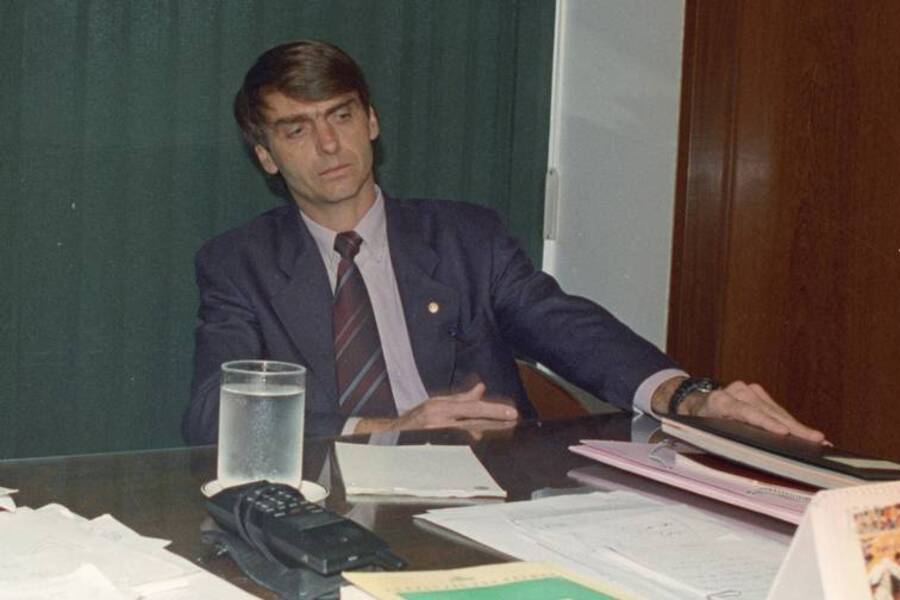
x,y
847,546
878,532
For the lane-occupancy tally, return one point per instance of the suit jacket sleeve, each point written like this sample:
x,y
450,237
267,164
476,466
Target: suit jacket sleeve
x,y
235,322
573,336
227,329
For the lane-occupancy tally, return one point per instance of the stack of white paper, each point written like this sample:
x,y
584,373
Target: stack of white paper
x,y
423,471
53,553
646,548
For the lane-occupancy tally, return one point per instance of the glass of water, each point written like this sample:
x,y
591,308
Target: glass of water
x,y
261,408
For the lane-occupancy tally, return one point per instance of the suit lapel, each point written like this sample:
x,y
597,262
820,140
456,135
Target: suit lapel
x,y
431,308
303,303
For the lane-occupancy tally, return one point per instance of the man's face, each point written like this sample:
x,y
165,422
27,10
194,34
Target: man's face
x,y
322,149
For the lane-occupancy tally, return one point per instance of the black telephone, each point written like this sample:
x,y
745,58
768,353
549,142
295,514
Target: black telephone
x,y
281,524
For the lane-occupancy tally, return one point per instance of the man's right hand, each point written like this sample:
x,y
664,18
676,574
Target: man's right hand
x,y
452,410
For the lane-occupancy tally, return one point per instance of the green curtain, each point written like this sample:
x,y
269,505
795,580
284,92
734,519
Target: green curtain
x,y
119,157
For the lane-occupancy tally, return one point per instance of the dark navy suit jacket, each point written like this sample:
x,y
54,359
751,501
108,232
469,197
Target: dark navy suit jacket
x,y
264,293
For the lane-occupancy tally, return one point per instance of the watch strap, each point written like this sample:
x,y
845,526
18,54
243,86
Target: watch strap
x,y
688,387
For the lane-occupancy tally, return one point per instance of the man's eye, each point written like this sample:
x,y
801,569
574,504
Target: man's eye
x,y
293,131
343,115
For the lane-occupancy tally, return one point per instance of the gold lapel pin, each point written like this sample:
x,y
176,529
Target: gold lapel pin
x,y
433,307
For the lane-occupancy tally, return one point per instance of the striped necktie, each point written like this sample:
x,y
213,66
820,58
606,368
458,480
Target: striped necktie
x,y
363,387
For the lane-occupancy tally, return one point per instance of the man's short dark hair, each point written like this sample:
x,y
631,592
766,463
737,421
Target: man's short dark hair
x,y
306,70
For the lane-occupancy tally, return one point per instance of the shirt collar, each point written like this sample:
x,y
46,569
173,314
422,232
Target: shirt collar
x,y
371,228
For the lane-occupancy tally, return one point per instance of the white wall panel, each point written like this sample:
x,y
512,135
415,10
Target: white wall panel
x,y
614,133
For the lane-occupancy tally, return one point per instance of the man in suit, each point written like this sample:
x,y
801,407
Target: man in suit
x,y
447,298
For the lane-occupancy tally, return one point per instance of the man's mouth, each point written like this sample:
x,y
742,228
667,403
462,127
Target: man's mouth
x,y
334,171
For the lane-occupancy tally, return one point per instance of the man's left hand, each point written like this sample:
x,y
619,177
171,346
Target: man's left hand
x,y
747,402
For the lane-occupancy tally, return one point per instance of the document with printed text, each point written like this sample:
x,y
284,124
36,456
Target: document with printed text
x,y
644,547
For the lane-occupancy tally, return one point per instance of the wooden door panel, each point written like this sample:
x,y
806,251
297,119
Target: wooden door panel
x,y
807,288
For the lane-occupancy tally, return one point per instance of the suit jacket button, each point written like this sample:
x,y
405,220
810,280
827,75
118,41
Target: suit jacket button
x,y
433,307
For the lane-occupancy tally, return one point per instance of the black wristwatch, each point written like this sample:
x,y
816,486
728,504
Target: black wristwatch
x,y
688,387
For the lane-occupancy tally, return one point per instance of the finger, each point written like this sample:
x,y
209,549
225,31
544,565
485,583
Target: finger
x,y
442,411
754,416
482,423
808,433
726,404
476,392
755,410
756,397
484,409
757,394
486,424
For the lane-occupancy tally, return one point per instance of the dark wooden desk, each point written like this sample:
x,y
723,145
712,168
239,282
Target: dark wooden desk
x,y
157,493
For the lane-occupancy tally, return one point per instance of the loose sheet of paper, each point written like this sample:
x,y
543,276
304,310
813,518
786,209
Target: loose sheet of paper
x,y
84,582
49,552
429,471
650,549
490,525
6,501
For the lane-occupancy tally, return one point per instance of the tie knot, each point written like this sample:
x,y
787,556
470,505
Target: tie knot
x,y
347,244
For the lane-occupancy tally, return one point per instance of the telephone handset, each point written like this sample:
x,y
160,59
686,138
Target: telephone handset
x,y
279,522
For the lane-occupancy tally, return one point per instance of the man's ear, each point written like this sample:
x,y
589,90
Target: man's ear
x,y
265,159
374,128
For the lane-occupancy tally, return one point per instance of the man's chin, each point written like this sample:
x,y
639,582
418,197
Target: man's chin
x,y
331,196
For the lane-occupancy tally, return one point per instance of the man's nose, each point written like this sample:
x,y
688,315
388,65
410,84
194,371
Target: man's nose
x,y
327,139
